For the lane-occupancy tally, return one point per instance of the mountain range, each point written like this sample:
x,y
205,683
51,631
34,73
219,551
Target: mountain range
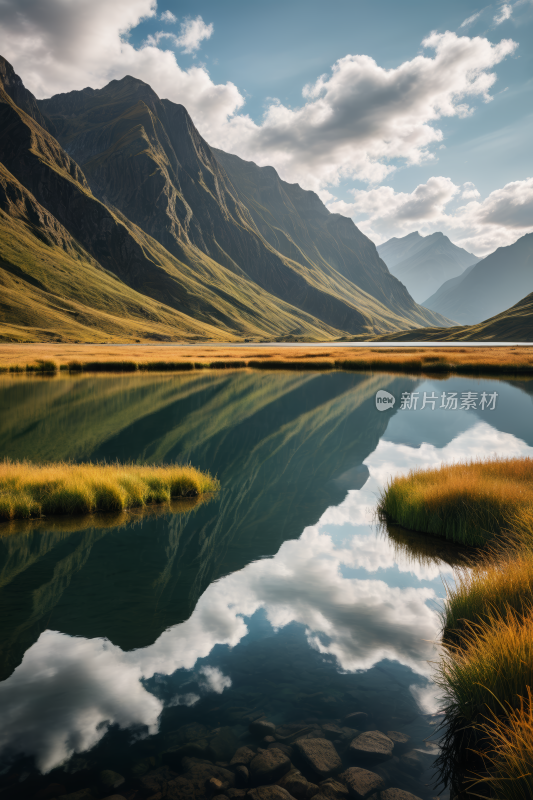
x,y
424,263
486,289
119,222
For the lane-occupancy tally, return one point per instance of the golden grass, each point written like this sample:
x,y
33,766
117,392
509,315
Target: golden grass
x,y
434,361
468,503
32,490
486,668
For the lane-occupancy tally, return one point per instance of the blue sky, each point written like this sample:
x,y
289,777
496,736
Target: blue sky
x,y
402,132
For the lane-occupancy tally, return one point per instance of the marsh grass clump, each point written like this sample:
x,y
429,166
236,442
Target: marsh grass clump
x,y
484,678
468,503
509,753
42,365
32,490
499,581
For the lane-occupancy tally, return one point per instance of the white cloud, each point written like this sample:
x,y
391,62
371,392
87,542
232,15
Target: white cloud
x,y
480,226
354,122
192,34
358,118
469,20
362,620
168,16
469,191
505,12
215,680
57,47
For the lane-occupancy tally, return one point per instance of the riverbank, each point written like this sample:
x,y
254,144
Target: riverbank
x,y
30,490
485,670
48,358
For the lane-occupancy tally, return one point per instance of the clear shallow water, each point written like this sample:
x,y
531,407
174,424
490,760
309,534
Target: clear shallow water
x,y
277,598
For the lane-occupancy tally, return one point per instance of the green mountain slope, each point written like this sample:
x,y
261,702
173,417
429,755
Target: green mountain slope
x,y
120,223
328,246
495,284
424,263
513,325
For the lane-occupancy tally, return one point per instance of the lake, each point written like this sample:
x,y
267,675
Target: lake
x,y
160,643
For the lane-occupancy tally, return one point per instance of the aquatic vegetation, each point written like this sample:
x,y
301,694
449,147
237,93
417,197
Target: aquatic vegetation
x,y
30,490
468,502
435,361
486,668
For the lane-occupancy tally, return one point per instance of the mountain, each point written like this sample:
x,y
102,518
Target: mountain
x,y
423,263
513,325
494,284
118,221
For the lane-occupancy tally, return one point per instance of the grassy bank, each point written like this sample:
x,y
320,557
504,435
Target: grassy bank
x,y
468,503
34,490
486,669
133,358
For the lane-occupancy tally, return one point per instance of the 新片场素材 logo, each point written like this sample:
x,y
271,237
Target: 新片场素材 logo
x,y
384,400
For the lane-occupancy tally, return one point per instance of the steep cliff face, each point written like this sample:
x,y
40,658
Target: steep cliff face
x,y
145,199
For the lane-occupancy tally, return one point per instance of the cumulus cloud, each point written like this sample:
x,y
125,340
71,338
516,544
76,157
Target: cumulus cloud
x,y
215,680
505,12
359,117
58,47
479,226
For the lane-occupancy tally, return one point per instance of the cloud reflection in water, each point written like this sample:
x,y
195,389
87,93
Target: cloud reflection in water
x,y
68,690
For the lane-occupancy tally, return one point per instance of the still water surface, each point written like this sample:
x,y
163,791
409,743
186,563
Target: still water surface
x,y
129,644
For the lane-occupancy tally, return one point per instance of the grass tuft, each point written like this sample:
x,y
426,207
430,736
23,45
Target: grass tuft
x,y
30,490
468,503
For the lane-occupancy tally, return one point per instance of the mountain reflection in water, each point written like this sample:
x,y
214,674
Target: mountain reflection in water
x,y
278,596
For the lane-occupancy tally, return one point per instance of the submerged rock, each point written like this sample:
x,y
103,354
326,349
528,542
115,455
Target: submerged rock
x,y
269,793
321,755
372,746
269,766
243,755
261,727
361,782
394,794
298,786
333,790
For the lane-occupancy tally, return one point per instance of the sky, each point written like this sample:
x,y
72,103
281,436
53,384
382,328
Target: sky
x,y
403,116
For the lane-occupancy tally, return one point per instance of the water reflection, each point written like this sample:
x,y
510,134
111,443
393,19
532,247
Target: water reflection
x,y
280,597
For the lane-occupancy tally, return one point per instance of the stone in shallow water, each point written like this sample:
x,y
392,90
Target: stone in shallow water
x,y
81,794
416,762
261,727
242,756
333,790
269,793
361,782
285,748
399,738
333,731
372,746
321,755
241,776
268,766
298,786
394,794
289,733
223,744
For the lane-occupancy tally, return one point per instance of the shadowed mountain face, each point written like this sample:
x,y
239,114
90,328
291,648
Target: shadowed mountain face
x,y
285,446
139,201
496,283
424,263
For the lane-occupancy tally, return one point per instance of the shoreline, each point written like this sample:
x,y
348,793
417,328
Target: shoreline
x,y
501,359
